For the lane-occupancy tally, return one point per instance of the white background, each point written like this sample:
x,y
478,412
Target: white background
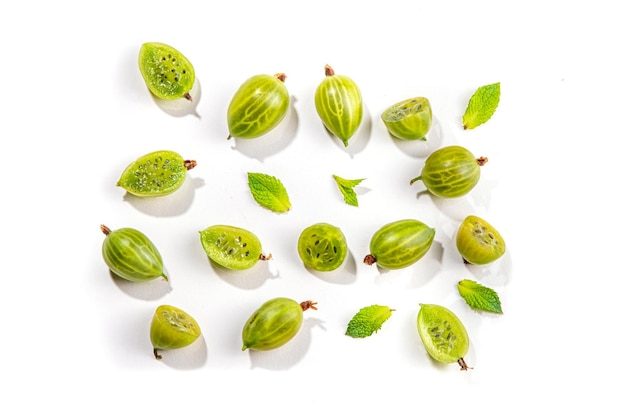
x,y
75,112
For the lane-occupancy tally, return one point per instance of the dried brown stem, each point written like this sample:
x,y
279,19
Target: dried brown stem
x,y
264,257
189,164
463,364
369,259
307,304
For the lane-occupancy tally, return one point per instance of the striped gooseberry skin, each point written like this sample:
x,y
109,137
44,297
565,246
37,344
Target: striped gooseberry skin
x,y
400,244
258,106
478,242
157,173
231,247
168,74
451,171
274,324
131,255
339,105
409,119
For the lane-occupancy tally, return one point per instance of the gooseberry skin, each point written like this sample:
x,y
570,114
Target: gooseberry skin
x,y
443,334
339,104
274,324
231,247
409,119
157,173
131,255
322,247
258,106
172,328
478,242
400,244
451,171
168,74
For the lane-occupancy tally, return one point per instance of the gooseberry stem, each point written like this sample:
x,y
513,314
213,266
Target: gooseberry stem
x,y
281,76
328,70
156,355
189,164
188,97
264,257
308,305
369,259
463,364
482,161
105,229
415,179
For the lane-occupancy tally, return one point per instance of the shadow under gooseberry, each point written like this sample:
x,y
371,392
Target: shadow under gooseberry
x,y
496,273
251,278
343,275
359,140
421,148
174,204
191,357
181,107
288,355
149,290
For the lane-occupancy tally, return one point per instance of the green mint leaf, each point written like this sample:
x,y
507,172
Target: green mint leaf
x,y
269,192
479,297
346,187
482,105
368,320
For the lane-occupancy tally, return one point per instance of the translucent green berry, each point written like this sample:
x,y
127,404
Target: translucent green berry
x,y
274,324
168,74
409,119
158,173
443,334
131,255
339,104
172,328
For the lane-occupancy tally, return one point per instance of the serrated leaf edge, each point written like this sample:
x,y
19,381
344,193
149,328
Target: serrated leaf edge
x,y
261,179
493,298
475,96
377,326
346,187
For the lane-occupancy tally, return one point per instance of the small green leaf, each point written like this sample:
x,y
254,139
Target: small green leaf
x,y
269,192
368,320
346,187
479,297
482,105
